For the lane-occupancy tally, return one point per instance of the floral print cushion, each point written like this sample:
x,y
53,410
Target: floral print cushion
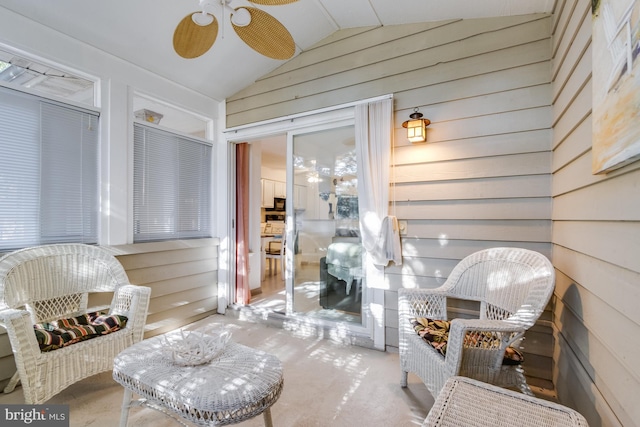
x,y
64,332
436,333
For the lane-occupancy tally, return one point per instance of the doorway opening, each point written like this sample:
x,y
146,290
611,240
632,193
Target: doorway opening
x,y
307,238
309,241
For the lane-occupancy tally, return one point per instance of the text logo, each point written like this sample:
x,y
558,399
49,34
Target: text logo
x,y
34,415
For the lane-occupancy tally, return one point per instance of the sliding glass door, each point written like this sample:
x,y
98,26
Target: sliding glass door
x,y
325,255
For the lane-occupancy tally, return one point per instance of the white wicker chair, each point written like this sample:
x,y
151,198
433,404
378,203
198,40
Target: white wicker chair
x,y
50,282
513,287
471,403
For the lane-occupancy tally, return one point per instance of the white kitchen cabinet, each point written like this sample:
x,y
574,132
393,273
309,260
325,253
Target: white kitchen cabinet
x,y
267,193
279,189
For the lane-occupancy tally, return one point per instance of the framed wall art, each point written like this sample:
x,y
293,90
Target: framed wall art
x,y
615,83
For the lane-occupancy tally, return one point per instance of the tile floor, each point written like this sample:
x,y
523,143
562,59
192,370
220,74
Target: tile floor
x,y
327,383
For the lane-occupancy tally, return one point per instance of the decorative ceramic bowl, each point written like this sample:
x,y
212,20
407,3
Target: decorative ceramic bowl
x,y
193,348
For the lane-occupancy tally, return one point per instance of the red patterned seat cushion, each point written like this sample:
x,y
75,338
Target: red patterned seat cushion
x,y
64,332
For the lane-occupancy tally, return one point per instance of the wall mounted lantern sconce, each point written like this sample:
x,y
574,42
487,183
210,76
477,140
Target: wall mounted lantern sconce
x,y
416,127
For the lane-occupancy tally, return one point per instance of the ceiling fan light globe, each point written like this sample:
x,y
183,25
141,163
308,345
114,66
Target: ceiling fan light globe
x,y
241,17
202,19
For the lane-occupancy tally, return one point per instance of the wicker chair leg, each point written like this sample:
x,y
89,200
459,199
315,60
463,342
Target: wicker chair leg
x,y
126,405
525,389
403,379
13,382
267,418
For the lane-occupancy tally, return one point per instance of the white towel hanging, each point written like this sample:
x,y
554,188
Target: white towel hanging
x,y
388,246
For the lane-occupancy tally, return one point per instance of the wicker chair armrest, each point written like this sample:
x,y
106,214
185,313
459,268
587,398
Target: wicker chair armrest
x,y
10,313
459,340
486,325
19,326
132,301
9,316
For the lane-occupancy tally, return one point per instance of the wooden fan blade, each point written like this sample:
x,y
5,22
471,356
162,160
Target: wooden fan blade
x,y
191,40
273,2
266,35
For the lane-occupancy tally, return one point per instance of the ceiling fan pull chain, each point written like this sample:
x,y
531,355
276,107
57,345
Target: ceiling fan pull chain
x,y
224,8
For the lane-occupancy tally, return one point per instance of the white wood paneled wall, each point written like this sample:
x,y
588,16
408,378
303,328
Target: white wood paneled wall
x,y
484,177
596,244
182,275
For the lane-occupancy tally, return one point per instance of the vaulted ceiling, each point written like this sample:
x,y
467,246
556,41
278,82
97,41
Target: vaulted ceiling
x,y
141,31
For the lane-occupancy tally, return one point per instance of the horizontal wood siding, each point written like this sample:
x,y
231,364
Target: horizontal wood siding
x,y
484,177
394,59
596,244
7,364
182,276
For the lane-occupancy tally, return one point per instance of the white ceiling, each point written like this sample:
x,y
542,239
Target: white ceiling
x,y
141,31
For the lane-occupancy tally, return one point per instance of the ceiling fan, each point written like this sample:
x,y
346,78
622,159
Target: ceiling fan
x,y
197,32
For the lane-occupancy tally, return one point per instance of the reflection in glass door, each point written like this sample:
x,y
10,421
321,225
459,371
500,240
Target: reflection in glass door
x,y
326,274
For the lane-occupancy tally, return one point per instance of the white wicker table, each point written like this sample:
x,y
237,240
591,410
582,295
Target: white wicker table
x,y
236,385
471,403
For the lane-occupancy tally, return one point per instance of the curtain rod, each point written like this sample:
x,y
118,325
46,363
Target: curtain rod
x,y
308,113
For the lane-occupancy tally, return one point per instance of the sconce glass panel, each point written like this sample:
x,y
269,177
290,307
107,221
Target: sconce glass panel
x,y
416,131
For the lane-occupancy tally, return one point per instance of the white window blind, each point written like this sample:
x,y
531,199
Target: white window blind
x,y
48,172
172,186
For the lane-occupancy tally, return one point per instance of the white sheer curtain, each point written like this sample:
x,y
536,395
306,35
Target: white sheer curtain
x,y
374,130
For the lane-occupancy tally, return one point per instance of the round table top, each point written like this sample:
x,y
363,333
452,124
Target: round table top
x,y
238,384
